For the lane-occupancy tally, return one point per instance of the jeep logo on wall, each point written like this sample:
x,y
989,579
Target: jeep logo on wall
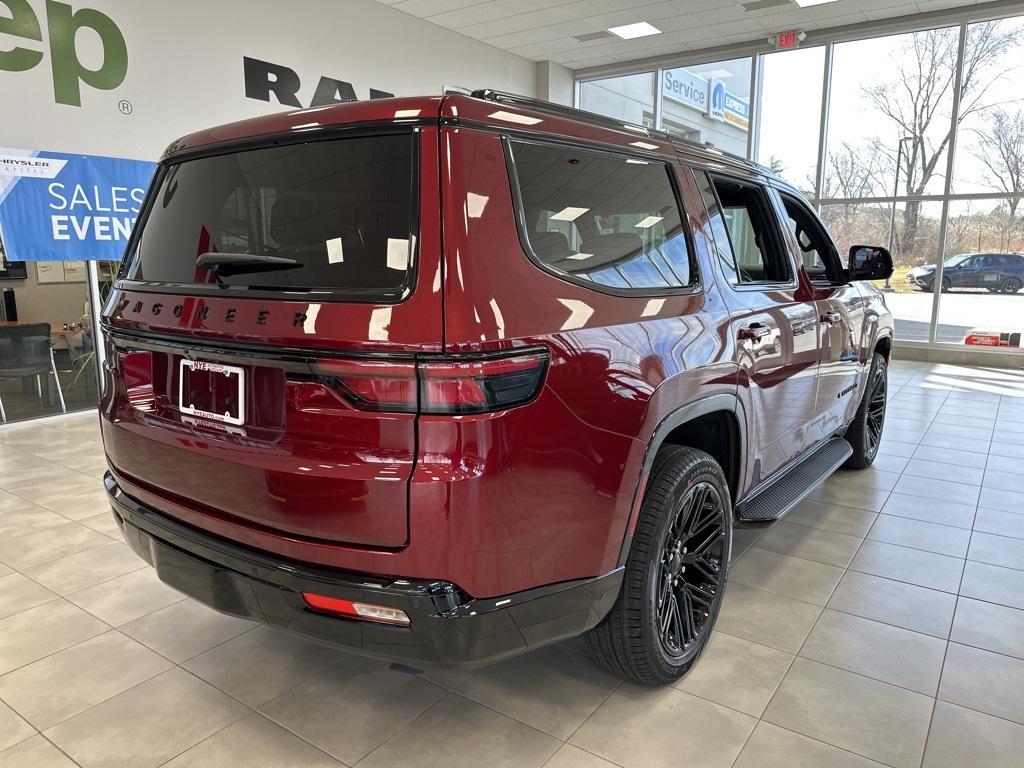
x,y
63,25
263,78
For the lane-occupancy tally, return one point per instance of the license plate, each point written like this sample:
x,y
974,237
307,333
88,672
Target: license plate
x,y
212,391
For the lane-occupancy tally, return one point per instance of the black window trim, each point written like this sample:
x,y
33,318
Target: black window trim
x,y
326,295
834,270
775,234
696,283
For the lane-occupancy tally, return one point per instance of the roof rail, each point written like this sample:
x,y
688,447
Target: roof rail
x,y
562,110
573,113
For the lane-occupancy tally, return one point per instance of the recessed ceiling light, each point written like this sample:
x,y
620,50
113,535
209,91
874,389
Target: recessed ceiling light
x,y
809,3
643,145
569,214
640,29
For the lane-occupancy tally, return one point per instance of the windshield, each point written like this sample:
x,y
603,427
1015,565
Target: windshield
x,y
957,260
329,215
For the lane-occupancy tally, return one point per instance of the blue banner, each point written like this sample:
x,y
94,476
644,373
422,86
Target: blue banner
x,y
61,207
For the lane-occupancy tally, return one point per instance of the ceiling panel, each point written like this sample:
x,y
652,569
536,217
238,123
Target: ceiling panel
x,y
545,29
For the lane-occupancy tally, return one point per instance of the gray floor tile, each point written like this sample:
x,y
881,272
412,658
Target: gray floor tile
x,y
985,681
940,471
35,752
484,738
930,510
917,534
895,602
889,462
1004,481
737,673
887,653
962,443
997,550
994,584
105,524
995,498
284,661
793,577
555,690
870,499
147,725
30,635
55,688
127,597
766,618
868,717
370,703
989,626
19,593
832,517
1011,464
1000,523
43,546
84,569
821,546
772,747
914,566
13,728
952,456
943,490
896,448
569,756
253,741
962,737
29,518
1010,448
652,727
186,629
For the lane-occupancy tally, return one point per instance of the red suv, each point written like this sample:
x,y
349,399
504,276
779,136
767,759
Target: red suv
x,y
442,380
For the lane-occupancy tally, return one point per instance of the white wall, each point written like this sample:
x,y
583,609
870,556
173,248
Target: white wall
x,y
185,67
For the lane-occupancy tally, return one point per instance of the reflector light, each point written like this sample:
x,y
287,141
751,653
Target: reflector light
x,y
380,614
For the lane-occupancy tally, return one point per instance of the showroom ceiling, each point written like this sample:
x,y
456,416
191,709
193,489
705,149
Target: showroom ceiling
x,y
547,29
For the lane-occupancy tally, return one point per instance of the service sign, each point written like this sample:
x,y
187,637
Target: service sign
x,y
62,207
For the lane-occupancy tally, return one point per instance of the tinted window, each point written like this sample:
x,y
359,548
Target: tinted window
x,y
340,210
602,218
742,227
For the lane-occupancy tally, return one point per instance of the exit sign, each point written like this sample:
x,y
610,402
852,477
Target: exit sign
x,y
790,39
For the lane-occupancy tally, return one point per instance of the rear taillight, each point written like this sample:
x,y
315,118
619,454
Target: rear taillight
x,y
440,385
381,614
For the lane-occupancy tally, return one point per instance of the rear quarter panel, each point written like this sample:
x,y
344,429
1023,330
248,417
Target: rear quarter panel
x,y
547,489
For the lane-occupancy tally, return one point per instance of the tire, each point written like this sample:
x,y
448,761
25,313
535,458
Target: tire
x,y
865,431
946,285
677,564
1011,285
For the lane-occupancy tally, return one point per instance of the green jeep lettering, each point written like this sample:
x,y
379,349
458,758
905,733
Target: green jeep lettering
x,y
64,24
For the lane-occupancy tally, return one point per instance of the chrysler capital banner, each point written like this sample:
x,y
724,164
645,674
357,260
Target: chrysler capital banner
x,y
61,207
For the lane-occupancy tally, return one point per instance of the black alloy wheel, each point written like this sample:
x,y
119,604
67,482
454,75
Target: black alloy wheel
x,y
676,572
865,431
1011,285
689,574
946,285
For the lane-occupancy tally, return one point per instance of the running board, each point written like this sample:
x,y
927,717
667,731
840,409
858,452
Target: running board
x,y
775,500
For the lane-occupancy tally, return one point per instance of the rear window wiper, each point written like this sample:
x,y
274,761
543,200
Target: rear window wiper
x,y
227,264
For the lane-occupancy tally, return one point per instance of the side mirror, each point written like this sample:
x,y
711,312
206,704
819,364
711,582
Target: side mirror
x,y
870,262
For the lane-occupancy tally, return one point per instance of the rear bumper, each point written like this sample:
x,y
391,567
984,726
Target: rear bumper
x,y
449,629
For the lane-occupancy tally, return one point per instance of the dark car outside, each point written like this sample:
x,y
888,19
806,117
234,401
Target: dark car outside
x,y
996,272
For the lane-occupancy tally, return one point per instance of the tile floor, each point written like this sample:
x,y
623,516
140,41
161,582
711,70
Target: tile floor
x,y
881,623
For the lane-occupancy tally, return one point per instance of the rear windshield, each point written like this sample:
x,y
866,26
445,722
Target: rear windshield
x,y
335,216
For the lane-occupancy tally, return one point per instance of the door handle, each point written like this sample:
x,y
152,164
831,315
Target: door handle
x,y
754,332
830,318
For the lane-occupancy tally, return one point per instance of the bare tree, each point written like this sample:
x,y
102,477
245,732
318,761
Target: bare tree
x,y
918,95
1001,150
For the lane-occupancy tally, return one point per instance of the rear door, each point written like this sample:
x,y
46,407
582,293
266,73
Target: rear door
x,y
775,330
840,311
270,309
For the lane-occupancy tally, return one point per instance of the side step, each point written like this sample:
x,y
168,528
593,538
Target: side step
x,y
776,499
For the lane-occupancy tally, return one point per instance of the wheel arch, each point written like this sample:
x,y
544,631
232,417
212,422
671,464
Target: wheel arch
x,y
883,345
696,425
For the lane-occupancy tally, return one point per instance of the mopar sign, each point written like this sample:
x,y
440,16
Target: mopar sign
x,y
716,109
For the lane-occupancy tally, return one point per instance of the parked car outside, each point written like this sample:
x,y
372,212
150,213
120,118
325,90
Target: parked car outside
x,y
442,380
997,272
